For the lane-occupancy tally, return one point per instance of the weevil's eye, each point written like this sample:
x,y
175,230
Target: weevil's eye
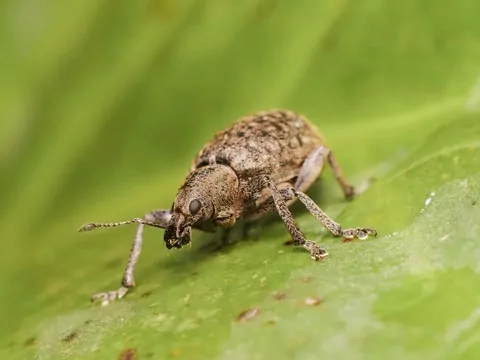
x,y
194,206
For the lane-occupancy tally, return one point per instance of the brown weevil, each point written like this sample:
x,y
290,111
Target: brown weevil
x,y
260,164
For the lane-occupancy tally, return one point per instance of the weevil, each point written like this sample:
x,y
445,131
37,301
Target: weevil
x,y
261,164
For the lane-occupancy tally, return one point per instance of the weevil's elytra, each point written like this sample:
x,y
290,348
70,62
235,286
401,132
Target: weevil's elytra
x,y
261,164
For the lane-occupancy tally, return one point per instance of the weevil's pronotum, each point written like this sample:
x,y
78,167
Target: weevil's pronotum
x,y
260,164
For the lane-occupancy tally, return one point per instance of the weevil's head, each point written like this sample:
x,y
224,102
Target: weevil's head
x,y
206,192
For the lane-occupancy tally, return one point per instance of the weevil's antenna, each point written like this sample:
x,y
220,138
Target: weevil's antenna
x,y
91,226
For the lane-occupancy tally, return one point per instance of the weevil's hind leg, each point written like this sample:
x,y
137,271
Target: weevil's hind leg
x,y
334,227
313,166
279,201
311,169
156,218
347,189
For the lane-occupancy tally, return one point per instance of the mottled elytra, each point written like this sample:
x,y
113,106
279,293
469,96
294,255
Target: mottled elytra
x,y
260,164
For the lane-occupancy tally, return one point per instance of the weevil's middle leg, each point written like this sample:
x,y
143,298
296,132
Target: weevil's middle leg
x,y
316,252
156,218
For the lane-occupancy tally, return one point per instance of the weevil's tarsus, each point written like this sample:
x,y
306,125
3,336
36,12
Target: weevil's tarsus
x,y
316,252
358,233
106,298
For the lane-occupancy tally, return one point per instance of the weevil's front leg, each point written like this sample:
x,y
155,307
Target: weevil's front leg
x,y
128,282
156,218
316,252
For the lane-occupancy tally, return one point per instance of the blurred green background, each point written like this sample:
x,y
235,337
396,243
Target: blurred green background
x,y
103,105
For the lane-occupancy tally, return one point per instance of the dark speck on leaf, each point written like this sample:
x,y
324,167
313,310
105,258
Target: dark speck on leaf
x,y
128,354
288,242
474,202
146,294
30,341
279,295
307,279
70,337
248,314
271,322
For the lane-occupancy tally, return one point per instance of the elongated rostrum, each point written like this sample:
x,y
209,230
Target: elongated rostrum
x,y
260,164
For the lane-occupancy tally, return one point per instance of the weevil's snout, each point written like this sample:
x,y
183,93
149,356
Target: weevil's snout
x,y
177,233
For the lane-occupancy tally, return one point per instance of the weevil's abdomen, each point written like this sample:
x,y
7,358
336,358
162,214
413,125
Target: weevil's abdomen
x,y
273,142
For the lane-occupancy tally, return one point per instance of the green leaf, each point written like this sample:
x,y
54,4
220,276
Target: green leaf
x,y
105,104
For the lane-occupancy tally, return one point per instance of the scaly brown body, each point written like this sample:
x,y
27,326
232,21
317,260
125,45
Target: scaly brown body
x,y
260,164
273,143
